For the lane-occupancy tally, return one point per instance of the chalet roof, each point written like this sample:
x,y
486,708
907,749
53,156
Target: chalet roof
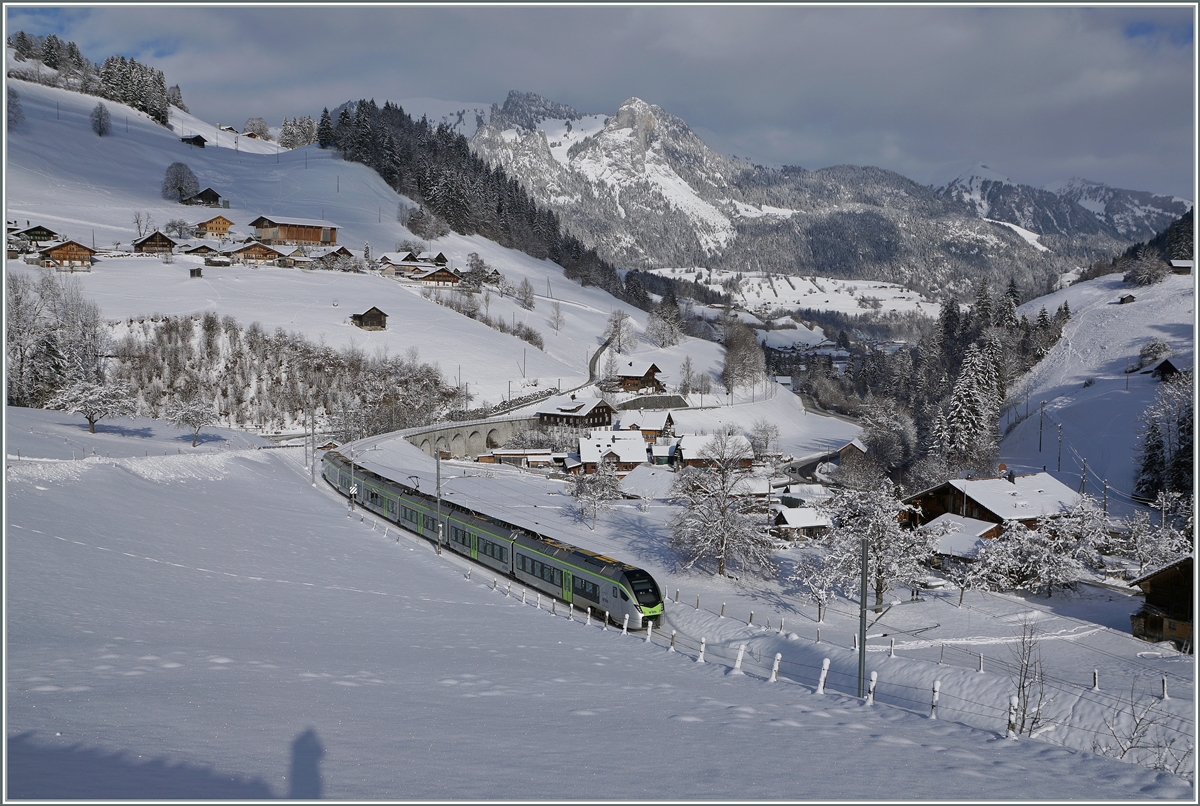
x,y
569,404
653,420
432,270
38,227
266,220
637,369
810,492
1034,495
193,138
316,252
214,218
250,245
801,518
648,481
395,258
1187,559
856,443
372,309
51,245
433,257
150,235
962,536
1183,264
600,444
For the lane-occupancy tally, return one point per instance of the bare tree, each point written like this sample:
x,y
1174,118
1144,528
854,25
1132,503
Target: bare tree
x,y
193,413
258,126
525,294
178,227
95,401
101,120
1139,731
556,316
1028,677
594,492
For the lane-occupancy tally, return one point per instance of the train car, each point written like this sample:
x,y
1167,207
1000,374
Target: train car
x,y
579,577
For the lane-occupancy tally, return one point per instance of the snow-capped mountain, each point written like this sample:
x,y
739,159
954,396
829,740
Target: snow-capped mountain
x,y
644,190
1070,208
1135,214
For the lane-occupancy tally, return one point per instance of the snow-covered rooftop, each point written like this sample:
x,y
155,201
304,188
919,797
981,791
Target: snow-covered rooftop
x,y
1031,496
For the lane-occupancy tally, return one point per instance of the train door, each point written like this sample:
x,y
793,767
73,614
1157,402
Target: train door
x,y
473,544
566,586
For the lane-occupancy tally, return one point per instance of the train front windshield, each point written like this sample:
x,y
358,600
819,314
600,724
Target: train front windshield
x,y
644,588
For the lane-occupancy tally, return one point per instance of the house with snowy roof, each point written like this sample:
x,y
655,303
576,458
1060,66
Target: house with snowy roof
x,y
793,522
437,275
648,482
1023,498
154,243
207,198
1182,266
253,253
215,227
36,234
572,412
634,376
626,451
288,229
66,255
960,536
1167,613
651,424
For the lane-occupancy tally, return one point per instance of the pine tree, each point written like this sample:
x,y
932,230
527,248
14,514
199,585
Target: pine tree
x,y
325,137
1152,467
50,51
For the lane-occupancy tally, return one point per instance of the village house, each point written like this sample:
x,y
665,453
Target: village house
x,y
626,451
634,376
253,253
519,457
1025,498
207,197
651,424
434,258
691,449
154,243
200,249
194,140
1167,612
371,319
795,522
271,230
1182,266
961,537
1164,370
438,276
393,263
37,234
326,257
215,227
569,411
1126,299
66,255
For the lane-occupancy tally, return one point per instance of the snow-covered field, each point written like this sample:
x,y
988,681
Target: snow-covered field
x,y
204,624
1085,385
760,293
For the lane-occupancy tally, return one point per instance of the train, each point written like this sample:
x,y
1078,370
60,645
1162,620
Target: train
x,y
570,574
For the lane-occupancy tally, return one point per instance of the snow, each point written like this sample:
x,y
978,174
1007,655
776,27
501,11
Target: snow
x,y
1099,419
1030,237
1028,496
191,636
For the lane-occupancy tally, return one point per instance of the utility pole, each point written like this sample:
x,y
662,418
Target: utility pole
x,y
862,622
1083,479
438,459
1041,420
1060,447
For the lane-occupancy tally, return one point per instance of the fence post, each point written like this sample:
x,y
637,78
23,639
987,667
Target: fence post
x,y
493,583
625,625
854,641
570,612
1166,696
697,602
824,674
539,602
781,625
589,617
522,596
942,656
677,596
700,657
468,571
818,635
1095,679
981,662
554,607
1012,717
775,668
750,623
737,664
722,610
606,617
508,589
892,648
871,688
937,688
649,630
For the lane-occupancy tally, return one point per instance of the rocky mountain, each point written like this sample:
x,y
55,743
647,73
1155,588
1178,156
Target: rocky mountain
x,y
1134,214
646,192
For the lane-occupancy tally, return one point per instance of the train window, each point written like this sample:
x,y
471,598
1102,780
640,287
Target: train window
x,y
588,590
431,523
460,535
408,514
497,552
643,587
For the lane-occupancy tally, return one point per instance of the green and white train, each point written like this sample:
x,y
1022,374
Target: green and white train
x,y
568,573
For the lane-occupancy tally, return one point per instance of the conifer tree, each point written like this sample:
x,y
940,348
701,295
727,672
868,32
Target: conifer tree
x,y
325,137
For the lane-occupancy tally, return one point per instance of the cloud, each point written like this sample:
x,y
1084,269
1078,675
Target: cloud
x,y
921,90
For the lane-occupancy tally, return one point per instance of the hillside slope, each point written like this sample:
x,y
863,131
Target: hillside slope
x,y
1084,382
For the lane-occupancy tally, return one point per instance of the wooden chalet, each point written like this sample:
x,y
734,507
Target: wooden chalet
x,y
853,448
66,254
651,424
692,447
154,243
624,450
438,276
271,230
1164,370
635,376
194,140
1126,299
435,258
1025,499
215,227
200,249
254,253
1182,266
571,412
371,319
37,234
1167,613
794,522
328,257
207,197
251,135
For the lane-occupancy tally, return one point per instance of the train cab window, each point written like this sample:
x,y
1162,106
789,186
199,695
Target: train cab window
x,y
643,588
588,590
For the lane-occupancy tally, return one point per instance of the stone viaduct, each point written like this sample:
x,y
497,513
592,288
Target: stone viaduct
x,y
468,438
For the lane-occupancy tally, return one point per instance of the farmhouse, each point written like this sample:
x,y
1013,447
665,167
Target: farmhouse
x,y
1164,370
66,254
371,319
793,522
327,257
435,258
634,376
207,197
996,500
254,253
36,234
272,229
1182,266
567,410
651,424
1167,613
1126,299
626,451
961,537
439,275
154,243
215,227
194,140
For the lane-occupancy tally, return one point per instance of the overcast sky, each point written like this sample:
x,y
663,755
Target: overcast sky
x,y
1038,94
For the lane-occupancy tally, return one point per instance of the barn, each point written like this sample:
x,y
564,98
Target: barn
x,y
371,319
